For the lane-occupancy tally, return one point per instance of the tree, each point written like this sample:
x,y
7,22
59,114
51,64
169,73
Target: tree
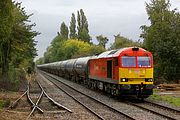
x,y
17,44
121,42
6,24
53,52
64,32
48,55
22,38
83,31
73,48
72,27
40,61
158,15
102,40
57,44
162,37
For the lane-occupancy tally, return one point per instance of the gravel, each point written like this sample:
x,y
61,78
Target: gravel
x,y
79,112
52,112
123,107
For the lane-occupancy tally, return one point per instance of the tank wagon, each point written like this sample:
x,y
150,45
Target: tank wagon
x,y
122,72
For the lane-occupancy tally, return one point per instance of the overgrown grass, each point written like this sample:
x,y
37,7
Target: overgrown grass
x,y
4,103
170,99
13,80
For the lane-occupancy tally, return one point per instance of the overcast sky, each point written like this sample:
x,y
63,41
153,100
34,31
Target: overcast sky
x,y
106,17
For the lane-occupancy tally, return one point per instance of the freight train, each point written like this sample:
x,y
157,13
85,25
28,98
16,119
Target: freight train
x,y
122,72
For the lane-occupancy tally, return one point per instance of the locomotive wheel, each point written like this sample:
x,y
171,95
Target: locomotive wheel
x,y
107,88
112,92
89,84
94,84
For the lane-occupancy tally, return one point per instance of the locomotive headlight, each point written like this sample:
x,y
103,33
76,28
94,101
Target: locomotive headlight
x,y
124,80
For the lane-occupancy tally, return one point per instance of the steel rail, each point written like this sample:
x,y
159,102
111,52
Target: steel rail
x,y
100,117
14,104
53,101
154,112
34,105
127,116
163,107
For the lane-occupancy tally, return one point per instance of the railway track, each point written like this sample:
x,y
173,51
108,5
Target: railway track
x,y
163,107
153,108
160,110
35,105
98,108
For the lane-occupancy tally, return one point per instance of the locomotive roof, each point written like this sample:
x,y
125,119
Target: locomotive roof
x,y
115,53
111,53
106,54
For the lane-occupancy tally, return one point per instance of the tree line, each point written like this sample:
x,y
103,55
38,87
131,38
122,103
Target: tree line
x,y
161,37
17,44
78,29
74,41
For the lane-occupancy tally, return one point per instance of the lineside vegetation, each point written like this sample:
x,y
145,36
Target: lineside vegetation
x,y
161,37
17,44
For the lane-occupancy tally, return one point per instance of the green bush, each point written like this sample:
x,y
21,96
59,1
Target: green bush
x,y
15,76
4,103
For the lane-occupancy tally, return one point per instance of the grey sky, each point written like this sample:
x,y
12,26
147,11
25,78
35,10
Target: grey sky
x,y
106,17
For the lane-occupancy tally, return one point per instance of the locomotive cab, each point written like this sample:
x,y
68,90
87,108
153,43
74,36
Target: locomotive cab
x,y
124,72
136,72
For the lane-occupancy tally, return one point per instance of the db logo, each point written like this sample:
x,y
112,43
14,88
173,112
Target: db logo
x,y
136,71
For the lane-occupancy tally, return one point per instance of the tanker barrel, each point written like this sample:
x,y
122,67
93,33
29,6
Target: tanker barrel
x,y
70,65
81,65
63,65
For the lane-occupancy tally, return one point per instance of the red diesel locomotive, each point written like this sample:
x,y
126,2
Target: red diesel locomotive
x,y
122,72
